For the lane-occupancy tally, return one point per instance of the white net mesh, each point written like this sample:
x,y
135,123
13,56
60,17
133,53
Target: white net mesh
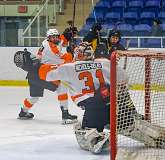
x,y
143,98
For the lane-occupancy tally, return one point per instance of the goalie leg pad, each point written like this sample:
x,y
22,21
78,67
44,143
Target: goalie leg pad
x,y
157,133
150,129
90,139
147,133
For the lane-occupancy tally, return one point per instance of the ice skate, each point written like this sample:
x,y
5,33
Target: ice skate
x,y
67,118
25,115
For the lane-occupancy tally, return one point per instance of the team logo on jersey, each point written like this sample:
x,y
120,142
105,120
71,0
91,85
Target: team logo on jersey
x,y
87,66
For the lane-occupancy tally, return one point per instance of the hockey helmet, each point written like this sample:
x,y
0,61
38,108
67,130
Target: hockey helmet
x,y
52,32
83,51
114,33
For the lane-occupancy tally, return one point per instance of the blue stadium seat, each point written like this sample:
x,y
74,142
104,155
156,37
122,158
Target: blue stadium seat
x,y
102,6
108,26
95,16
135,0
84,30
133,42
112,17
150,43
130,17
142,30
111,1
118,6
147,18
135,6
106,29
163,5
90,20
125,29
152,6
163,28
161,16
106,0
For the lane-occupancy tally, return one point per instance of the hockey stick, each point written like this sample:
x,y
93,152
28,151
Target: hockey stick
x,y
127,46
65,84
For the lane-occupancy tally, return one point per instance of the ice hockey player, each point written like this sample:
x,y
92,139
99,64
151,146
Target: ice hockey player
x,y
88,81
93,36
113,44
52,51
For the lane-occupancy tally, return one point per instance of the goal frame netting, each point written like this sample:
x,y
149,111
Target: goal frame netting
x,y
147,55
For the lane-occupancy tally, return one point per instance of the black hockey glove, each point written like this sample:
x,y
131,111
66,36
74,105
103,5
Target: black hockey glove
x,y
25,60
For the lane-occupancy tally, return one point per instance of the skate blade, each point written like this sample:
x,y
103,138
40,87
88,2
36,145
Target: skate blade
x,y
24,118
68,121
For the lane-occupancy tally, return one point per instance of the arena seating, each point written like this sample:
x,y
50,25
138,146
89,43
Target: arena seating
x,y
130,17
161,16
130,12
125,29
147,18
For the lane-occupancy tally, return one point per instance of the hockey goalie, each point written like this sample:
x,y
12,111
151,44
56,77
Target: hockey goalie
x,y
129,123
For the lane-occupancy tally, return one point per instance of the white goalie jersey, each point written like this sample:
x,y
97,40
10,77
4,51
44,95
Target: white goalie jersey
x,y
84,77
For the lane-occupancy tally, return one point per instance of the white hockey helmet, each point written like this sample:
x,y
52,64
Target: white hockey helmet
x,y
52,32
84,51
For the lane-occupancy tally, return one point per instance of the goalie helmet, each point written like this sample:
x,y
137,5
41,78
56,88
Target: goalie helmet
x,y
52,32
83,52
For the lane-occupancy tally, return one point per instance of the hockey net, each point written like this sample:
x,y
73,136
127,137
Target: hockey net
x,y
146,87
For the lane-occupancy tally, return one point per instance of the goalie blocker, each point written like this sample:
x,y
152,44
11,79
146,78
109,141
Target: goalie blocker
x,y
130,123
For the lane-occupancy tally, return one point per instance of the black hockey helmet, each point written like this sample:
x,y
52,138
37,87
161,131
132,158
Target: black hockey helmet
x,y
114,33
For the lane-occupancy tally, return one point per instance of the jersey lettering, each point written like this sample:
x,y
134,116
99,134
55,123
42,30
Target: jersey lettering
x,y
89,82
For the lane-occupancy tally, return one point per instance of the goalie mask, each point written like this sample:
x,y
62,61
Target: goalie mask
x,y
83,52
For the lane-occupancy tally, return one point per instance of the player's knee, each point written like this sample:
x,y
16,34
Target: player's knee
x,y
33,100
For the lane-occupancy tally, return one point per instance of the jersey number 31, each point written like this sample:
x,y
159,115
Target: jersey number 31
x,y
89,82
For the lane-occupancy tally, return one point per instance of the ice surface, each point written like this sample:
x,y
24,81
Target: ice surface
x,y
43,138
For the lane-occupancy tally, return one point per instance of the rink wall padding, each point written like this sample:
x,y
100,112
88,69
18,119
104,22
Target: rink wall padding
x,y
18,83
10,75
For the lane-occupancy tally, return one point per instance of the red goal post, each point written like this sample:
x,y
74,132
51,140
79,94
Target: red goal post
x,y
146,73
